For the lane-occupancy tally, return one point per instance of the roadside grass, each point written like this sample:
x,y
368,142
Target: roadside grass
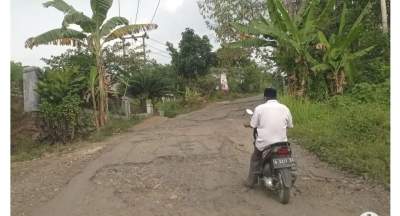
x,y
354,137
113,127
28,149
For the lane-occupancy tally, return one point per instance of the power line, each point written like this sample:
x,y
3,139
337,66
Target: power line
x,y
160,54
137,10
158,49
157,41
155,12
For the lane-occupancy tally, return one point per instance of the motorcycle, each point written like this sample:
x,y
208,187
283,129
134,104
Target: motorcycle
x,y
278,168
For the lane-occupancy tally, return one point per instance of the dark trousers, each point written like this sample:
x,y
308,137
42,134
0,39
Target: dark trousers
x,y
255,167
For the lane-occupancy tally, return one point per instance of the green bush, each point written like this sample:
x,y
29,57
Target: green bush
x,y
206,84
16,70
60,109
366,92
54,85
170,108
351,135
192,98
61,122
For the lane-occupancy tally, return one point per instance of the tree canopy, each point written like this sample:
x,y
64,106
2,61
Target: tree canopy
x,y
194,56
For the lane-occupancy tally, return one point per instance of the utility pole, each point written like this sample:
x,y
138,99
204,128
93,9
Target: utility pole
x,y
123,47
384,16
144,48
144,37
123,39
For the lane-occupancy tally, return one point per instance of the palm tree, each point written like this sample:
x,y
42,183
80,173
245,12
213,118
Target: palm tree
x,y
290,36
337,54
94,34
150,83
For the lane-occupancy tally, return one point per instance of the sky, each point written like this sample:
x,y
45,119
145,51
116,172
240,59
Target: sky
x,y
30,18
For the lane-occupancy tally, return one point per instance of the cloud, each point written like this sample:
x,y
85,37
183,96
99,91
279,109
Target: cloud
x,y
172,5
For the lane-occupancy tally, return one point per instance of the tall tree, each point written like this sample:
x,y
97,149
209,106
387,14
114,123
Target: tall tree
x,y
94,34
219,14
194,56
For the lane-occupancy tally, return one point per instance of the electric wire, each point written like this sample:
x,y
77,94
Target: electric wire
x,y
160,54
158,49
137,10
157,41
155,11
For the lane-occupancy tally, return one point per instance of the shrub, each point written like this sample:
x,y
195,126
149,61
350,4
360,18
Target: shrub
x,y
192,98
206,84
353,136
170,108
62,121
366,92
16,70
54,85
60,108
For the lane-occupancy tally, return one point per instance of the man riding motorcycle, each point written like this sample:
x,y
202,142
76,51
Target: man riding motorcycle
x,y
270,121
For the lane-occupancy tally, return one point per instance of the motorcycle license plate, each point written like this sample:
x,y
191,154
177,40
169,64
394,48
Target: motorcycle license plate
x,y
282,162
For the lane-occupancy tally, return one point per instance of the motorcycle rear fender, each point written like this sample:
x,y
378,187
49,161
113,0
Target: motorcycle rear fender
x,y
286,177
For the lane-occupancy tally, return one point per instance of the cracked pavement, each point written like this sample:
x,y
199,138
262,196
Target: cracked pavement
x,y
194,164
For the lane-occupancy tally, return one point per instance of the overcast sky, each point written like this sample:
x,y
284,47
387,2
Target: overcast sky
x,y
30,18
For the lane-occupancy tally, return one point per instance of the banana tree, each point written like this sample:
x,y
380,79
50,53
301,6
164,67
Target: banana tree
x,y
337,53
95,32
290,36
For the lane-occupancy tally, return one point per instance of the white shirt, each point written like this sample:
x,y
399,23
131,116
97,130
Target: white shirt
x,y
271,120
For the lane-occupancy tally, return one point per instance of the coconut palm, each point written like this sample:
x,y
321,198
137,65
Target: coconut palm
x,y
95,32
291,37
337,53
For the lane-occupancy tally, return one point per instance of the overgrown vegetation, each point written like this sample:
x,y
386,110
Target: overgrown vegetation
x,y
334,57
352,134
94,32
16,78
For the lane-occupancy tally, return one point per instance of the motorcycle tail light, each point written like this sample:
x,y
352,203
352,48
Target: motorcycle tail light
x,y
283,151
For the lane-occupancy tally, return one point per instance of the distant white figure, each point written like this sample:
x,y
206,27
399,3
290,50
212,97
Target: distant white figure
x,y
224,83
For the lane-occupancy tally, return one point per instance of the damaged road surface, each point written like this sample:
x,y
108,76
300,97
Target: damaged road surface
x,y
194,164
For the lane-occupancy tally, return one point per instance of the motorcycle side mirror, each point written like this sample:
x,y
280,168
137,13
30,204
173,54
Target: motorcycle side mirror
x,y
248,111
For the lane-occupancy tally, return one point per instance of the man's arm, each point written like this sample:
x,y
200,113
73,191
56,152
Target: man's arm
x,y
289,120
254,122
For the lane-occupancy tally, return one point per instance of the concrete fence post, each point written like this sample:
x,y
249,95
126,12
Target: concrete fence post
x,y
31,97
149,107
126,106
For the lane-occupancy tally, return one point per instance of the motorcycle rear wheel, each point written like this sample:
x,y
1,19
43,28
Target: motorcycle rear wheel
x,y
283,191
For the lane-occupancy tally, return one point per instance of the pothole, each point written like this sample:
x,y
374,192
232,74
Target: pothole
x,y
168,179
